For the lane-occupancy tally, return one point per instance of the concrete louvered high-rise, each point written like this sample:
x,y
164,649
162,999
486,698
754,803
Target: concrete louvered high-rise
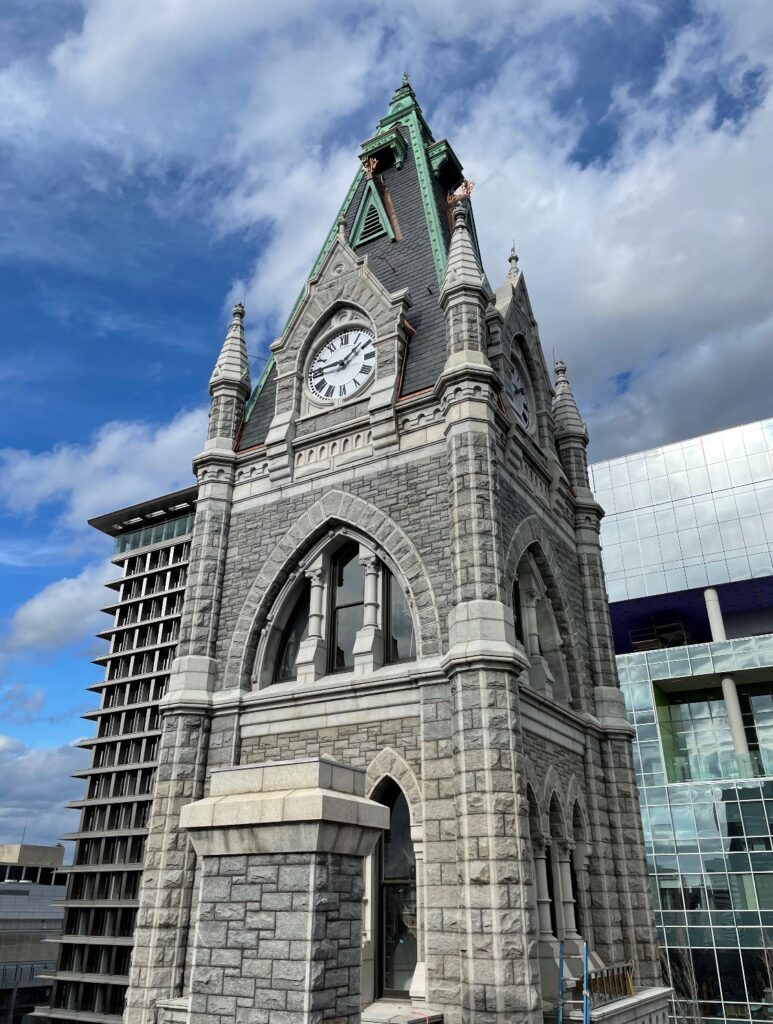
x,y
394,775
152,543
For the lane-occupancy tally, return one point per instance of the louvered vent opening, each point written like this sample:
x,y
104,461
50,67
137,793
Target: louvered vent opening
x,y
371,227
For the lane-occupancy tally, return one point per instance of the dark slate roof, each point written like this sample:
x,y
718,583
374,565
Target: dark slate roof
x,y
260,411
408,263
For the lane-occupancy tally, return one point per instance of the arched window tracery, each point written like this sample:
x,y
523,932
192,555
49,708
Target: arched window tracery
x,y
537,628
346,612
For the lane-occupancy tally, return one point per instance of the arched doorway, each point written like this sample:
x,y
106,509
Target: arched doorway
x,y
396,934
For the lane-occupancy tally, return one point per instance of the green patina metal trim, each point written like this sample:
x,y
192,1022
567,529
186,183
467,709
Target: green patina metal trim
x,y
259,387
370,199
440,153
390,139
424,174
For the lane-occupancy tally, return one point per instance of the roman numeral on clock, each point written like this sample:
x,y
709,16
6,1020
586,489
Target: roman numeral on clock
x,y
329,391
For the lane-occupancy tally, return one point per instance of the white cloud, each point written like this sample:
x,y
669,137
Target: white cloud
x,y
123,463
64,612
36,785
655,257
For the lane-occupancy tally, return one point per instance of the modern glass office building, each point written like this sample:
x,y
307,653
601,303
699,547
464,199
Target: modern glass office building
x,y
688,554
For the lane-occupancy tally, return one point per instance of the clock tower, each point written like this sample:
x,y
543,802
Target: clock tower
x,y
395,773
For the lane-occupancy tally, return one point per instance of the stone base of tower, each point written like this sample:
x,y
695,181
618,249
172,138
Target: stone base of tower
x,y
278,929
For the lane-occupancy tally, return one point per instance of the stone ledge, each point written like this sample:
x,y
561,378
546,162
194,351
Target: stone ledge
x,y
318,811
386,1012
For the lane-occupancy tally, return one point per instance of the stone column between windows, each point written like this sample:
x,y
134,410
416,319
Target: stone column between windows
x,y
316,578
540,846
729,691
311,662
369,642
531,633
279,926
564,851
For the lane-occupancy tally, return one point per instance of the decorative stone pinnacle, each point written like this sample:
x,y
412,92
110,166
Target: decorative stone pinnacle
x,y
512,259
406,78
561,378
238,311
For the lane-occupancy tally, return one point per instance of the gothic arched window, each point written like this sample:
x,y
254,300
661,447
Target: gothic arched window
x,y
397,933
351,614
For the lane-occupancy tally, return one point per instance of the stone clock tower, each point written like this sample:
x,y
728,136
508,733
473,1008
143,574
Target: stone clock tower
x,y
395,769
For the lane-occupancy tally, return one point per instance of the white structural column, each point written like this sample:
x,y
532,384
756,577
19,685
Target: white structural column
x,y
729,691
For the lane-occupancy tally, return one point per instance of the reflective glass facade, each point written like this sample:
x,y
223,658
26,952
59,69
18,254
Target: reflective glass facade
x,y
679,519
693,514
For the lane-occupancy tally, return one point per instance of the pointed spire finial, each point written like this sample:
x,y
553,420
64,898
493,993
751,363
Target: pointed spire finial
x,y
567,415
232,364
406,78
512,259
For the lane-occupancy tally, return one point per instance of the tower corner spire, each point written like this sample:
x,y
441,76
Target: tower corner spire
x,y
229,385
232,366
463,269
565,411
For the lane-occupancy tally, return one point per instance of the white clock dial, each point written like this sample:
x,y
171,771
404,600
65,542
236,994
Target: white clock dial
x,y
343,366
519,398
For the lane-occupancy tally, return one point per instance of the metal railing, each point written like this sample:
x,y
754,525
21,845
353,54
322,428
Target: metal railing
x,y
19,973
606,985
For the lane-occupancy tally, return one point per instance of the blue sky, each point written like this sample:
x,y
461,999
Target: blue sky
x,y
160,159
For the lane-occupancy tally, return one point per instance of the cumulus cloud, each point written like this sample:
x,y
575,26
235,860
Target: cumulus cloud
x,y
36,785
62,613
124,462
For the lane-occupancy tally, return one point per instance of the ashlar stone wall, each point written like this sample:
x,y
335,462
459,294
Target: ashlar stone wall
x,y
279,939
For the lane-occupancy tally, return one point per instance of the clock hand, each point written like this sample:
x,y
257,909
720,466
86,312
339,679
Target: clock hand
x,y
350,355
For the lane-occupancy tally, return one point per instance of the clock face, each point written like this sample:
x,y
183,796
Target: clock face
x,y
520,398
343,366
